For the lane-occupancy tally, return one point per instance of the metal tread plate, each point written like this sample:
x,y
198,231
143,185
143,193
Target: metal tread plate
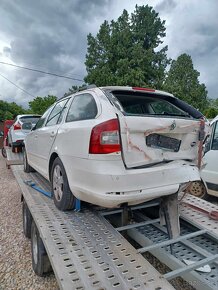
x,y
86,252
194,249
13,158
197,218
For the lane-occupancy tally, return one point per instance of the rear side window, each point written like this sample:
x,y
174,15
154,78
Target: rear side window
x,y
57,113
83,107
148,104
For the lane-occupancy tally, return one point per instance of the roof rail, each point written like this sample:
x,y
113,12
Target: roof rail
x,y
82,88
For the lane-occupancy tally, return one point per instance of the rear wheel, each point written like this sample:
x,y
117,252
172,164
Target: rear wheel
x,y
63,197
13,148
198,189
40,261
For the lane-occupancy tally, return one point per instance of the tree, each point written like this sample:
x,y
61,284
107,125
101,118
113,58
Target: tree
x,y
125,52
74,89
10,110
182,81
40,104
212,109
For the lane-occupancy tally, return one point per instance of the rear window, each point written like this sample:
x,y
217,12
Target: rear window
x,y
32,119
134,103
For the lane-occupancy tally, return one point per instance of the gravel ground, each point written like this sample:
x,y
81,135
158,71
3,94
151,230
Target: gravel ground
x,y
15,254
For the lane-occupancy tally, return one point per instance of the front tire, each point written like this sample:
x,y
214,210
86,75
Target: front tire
x,y
40,261
26,167
62,195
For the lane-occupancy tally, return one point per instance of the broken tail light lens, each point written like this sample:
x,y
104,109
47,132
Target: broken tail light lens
x,y
17,126
105,138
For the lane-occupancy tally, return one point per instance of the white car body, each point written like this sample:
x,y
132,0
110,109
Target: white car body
x,y
135,173
16,134
209,172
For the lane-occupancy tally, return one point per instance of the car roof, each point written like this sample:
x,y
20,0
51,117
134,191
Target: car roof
x,y
28,115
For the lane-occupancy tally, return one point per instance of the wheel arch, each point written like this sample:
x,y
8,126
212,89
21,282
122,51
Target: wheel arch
x,y
53,156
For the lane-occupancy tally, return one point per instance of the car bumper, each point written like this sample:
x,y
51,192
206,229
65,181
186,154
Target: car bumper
x,y
109,184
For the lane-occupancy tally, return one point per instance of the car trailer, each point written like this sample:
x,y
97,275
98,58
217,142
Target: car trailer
x,y
91,249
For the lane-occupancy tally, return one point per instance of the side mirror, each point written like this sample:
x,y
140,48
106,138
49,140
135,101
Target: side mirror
x,y
27,126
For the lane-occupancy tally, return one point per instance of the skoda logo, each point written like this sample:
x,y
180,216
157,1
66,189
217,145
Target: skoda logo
x,y
173,125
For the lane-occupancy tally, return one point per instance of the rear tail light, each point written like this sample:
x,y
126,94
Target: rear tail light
x,y
143,89
17,126
105,138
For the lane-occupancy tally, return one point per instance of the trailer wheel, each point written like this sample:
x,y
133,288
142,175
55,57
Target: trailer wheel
x,y
26,167
62,195
27,220
40,261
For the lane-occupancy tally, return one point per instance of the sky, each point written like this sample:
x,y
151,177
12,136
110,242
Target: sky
x,y
52,36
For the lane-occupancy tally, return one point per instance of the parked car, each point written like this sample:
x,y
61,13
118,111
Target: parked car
x,y
209,172
115,145
16,134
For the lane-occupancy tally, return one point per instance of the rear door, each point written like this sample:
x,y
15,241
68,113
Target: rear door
x,y
153,131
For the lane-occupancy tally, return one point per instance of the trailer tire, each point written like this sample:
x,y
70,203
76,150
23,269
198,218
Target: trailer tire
x,y
40,261
27,220
62,195
26,167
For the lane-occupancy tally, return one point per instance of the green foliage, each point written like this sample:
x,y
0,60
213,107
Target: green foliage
x,y
124,52
8,111
40,104
212,110
182,81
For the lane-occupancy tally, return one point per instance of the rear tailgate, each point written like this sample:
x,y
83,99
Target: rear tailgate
x,y
150,140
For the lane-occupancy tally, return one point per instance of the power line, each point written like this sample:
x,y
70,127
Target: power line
x,y
41,71
17,86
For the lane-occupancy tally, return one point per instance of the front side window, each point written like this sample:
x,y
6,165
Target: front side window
x,y
41,121
83,107
56,115
215,138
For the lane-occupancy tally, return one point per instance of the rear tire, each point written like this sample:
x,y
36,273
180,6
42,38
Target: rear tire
x,y
62,195
40,261
27,220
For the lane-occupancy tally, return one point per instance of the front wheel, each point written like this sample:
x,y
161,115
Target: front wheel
x,y
40,261
26,167
62,195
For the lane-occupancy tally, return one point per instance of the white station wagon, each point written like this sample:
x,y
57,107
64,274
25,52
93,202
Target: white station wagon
x,y
112,146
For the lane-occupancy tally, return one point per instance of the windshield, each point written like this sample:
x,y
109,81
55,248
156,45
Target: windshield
x,y
32,119
141,104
